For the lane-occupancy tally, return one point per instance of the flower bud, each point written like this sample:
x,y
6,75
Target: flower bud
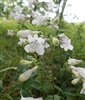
x,y
25,62
25,33
34,60
76,73
75,81
26,75
55,41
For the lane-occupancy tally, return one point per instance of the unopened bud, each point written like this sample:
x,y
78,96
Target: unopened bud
x,y
34,60
25,62
55,41
76,73
26,75
75,81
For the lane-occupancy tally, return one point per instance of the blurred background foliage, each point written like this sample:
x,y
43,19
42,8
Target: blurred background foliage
x,y
11,54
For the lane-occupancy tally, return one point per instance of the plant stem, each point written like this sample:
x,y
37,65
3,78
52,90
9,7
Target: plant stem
x,y
53,80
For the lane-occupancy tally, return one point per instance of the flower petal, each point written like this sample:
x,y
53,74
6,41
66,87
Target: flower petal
x,y
30,38
40,50
28,48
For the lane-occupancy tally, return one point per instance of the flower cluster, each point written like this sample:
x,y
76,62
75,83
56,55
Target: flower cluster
x,y
36,43
17,13
81,72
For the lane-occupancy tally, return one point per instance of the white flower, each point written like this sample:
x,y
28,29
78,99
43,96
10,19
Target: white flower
x,y
65,42
30,98
83,88
36,45
10,32
17,8
25,33
26,75
73,61
22,41
19,16
39,20
31,3
17,13
34,14
75,81
80,70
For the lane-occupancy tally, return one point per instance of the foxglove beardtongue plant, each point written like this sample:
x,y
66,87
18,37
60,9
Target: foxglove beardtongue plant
x,y
38,12
65,42
36,44
26,75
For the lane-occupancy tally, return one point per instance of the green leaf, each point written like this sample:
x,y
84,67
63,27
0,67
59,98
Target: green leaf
x,y
47,87
37,85
58,88
50,97
10,68
32,83
70,93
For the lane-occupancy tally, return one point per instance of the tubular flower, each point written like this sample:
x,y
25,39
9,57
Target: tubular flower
x,y
36,45
31,3
75,81
26,75
81,71
65,42
73,61
17,13
25,33
83,88
39,20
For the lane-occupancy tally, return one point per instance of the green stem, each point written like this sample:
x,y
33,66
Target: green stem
x,y
53,80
